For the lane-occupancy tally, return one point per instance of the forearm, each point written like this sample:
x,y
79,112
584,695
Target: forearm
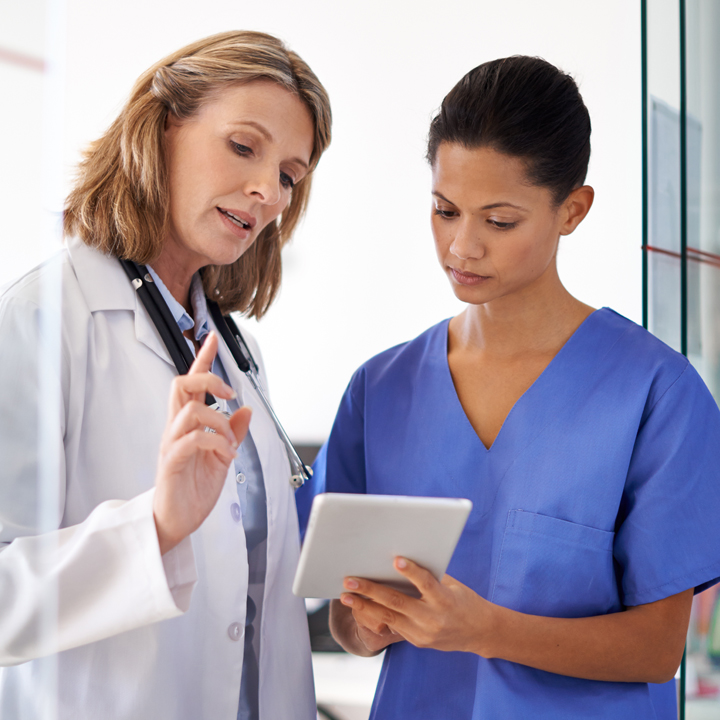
x,y
345,630
630,646
99,578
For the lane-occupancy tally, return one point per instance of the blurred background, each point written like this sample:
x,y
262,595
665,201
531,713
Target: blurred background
x,y
361,273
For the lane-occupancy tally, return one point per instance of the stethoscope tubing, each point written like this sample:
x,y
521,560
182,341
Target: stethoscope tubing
x,y
245,361
182,357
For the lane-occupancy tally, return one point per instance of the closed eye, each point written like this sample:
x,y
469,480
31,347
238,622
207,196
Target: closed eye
x,y
447,214
243,150
502,225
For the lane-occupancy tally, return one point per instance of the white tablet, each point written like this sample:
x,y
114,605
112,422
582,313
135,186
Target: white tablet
x,y
361,535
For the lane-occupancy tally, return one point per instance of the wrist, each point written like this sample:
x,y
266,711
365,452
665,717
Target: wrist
x,y
487,640
166,541
361,647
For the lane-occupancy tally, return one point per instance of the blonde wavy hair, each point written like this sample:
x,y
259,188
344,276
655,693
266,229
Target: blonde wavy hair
x,y
119,203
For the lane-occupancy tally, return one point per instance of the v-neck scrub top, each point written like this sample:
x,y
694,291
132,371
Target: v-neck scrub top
x,y
601,491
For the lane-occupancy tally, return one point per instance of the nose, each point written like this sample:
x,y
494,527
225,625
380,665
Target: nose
x,y
466,243
264,184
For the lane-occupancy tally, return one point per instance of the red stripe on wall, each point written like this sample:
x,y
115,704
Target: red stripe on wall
x,y
694,254
26,61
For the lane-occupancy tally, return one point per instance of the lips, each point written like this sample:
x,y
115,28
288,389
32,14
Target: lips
x,y
468,278
238,217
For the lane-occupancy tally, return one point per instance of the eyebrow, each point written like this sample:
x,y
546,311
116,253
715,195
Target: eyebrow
x,y
492,206
266,134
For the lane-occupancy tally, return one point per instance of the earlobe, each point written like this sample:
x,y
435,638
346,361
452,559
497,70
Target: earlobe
x,y
577,206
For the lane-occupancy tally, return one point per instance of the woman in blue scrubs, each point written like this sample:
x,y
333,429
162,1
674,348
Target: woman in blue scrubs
x,y
590,450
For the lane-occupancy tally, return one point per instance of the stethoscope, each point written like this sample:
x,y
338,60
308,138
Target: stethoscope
x,y
183,358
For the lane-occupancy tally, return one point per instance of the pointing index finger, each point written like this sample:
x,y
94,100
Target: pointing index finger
x,y
206,355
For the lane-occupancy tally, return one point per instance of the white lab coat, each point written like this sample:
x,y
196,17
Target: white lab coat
x,y
137,635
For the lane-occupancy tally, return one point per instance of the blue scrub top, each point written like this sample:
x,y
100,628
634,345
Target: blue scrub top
x,y
602,490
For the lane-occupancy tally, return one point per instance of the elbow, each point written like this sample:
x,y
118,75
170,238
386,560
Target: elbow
x,y
664,666
665,673
660,678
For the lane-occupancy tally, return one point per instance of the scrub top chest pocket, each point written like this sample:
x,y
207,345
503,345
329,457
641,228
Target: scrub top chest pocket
x,y
555,568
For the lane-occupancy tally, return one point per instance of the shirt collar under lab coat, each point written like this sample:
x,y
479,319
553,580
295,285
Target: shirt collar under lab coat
x,y
197,300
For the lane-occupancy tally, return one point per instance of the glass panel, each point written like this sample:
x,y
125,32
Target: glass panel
x,y
664,216
702,300
703,100
703,240
30,401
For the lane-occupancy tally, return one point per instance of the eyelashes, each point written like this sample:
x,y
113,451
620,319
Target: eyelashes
x,y
450,214
242,150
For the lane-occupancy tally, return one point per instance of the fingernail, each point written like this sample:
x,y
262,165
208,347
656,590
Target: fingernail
x,y
351,584
233,394
401,563
347,599
233,441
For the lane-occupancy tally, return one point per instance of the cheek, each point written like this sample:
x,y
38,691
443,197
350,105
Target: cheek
x,y
272,212
441,235
532,252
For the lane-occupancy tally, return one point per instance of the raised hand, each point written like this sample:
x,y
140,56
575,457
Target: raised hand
x,y
193,464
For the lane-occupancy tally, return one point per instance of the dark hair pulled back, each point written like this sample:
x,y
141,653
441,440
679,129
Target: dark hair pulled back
x,y
523,107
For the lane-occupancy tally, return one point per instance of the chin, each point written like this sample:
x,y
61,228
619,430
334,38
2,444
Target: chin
x,y
230,253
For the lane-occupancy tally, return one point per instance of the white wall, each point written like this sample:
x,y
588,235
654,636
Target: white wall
x,y
361,274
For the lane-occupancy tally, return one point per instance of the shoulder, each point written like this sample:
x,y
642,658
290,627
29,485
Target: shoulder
x,y
64,291
636,355
399,365
28,288
22,299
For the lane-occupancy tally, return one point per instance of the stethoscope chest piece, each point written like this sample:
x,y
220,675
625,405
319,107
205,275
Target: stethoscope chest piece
x,y
216,408
298,479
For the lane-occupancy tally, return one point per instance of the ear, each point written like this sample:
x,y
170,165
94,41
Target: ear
x,y
575,208
171,121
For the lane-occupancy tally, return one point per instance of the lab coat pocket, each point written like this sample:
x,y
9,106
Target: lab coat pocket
x,y
555,568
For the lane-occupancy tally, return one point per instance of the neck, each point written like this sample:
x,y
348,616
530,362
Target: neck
x,y
177,273
537,320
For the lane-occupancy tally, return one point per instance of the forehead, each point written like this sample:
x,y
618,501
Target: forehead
x,y
481,174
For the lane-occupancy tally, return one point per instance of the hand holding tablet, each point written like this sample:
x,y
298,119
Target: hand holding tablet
x,y
360,535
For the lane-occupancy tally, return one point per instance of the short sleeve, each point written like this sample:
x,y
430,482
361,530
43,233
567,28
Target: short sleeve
x,y
340,464
668,534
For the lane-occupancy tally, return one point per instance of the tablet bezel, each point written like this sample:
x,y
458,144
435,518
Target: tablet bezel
x,y
361,534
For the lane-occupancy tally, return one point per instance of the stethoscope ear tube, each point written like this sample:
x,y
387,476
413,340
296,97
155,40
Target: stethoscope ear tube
x,y
245,361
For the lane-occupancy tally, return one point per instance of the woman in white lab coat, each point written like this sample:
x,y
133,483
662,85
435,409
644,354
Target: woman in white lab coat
x,y
129,535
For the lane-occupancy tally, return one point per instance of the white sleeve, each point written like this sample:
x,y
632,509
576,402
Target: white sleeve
x,y
90,581
75,585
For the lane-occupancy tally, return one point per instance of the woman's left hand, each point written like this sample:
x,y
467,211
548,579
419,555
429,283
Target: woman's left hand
x,y
447,616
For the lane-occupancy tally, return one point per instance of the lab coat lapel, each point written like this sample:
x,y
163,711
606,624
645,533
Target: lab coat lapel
x,y
105,286
147,333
